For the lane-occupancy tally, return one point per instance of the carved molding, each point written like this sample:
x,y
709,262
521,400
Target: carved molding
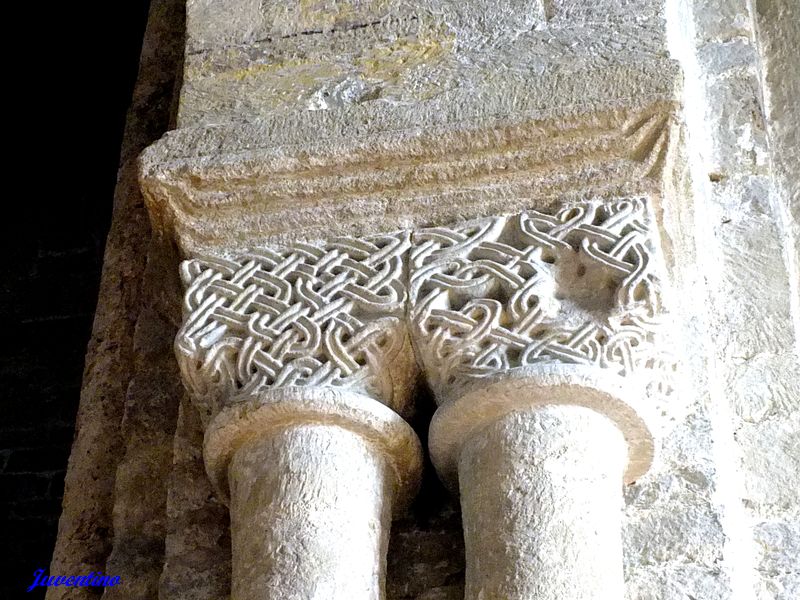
x,y
217,188
319,315
580,285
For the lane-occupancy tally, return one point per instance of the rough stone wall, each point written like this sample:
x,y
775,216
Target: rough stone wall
x,y
40,392
714,519
248,59
50,278
773,500
747,261
777,28
86,527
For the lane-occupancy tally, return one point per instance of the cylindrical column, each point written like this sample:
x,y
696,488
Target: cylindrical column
x,y
311,509
541,495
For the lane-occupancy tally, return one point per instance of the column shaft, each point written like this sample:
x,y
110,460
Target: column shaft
x,y
310,516
541,495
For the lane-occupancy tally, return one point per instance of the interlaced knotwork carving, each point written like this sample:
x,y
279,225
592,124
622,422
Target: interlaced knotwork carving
x,y
306,315
581,285
577,286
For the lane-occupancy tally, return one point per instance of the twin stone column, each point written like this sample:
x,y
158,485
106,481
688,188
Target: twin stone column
x,y
538,334
300,364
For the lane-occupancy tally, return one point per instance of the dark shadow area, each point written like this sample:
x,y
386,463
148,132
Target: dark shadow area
x,y
426,548
73,79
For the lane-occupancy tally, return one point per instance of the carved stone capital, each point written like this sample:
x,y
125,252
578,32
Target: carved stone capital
x,y
542,307
520,322
306,332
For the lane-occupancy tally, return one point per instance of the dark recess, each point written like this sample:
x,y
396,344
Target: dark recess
x,y
71,76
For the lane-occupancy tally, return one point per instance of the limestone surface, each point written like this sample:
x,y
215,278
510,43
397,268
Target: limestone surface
x,y
457,128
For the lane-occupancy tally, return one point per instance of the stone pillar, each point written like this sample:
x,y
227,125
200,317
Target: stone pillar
x,y
550,477
299,363
310,515
539,334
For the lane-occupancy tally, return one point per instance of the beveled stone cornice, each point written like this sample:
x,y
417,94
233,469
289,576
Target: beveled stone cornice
x,y
219,188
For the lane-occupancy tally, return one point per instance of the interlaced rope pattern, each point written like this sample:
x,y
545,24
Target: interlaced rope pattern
x,y
578,286
322,315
